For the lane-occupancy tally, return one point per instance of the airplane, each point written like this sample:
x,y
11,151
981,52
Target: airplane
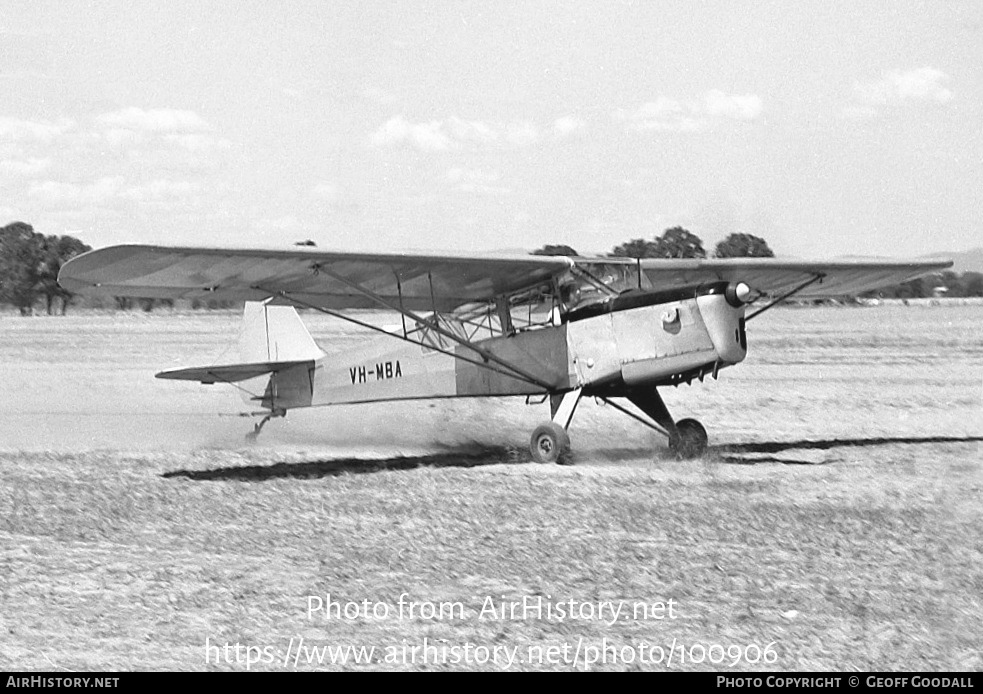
x,y
555,328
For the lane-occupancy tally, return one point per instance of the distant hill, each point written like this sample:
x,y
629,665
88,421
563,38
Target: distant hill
x,y
965,261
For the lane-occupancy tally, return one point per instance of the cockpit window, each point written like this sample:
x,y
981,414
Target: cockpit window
x,y
598,282
431,340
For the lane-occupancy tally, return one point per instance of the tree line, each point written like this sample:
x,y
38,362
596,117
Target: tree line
x,y
678,242
29,266
947,283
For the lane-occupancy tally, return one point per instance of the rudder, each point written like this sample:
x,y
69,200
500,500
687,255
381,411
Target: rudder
x,y
275,333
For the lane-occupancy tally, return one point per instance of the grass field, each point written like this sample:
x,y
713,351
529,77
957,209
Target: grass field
x,y
834,524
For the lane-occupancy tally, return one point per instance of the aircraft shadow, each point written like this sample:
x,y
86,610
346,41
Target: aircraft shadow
x,y
758,452
478,455
463,457
778,446
727,453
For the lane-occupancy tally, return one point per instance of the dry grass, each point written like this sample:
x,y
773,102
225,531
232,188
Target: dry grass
x,y
857,549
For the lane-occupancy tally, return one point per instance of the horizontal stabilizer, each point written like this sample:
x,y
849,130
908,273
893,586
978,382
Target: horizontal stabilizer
x,y
230,373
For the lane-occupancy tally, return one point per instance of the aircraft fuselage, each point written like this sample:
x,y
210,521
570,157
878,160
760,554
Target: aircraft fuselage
x,y
651,344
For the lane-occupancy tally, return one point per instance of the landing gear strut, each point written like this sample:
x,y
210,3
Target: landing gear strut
x,y
550,442
687,437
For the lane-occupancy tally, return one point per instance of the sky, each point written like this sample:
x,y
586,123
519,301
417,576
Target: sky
x,y
827,128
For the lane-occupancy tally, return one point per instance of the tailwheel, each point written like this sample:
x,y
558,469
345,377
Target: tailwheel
x,y
257,428
254,434
689,440
550,443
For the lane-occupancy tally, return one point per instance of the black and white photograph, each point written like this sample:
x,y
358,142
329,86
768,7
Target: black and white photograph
x,y
513,336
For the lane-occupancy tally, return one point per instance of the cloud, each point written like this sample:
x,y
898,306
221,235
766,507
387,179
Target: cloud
x,y
922,84
379,96
671,115
476,181
198,142
473,131
155,139
744,107
154,120
160,189
567,126
59,192
425,136
858,112
288,224
663,114
121,137
42,131
113,189
454,133
112,163
458,174
522,133
326,192
26,168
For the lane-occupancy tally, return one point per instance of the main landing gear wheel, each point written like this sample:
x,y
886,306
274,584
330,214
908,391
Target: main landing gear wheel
x,y
689,440
550,443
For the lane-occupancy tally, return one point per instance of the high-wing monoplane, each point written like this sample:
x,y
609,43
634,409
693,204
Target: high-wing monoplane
x,y
559,328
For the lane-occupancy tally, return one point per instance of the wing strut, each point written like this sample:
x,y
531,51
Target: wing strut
x,y
817,278
512,373
399,290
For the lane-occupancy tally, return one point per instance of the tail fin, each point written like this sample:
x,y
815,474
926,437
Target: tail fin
x,y
275,334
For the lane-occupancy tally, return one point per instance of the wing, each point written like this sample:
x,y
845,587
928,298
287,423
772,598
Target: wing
x,y
328,280
769,276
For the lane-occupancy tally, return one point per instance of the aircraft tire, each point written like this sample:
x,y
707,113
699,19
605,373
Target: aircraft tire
x,y
550,443
689,441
